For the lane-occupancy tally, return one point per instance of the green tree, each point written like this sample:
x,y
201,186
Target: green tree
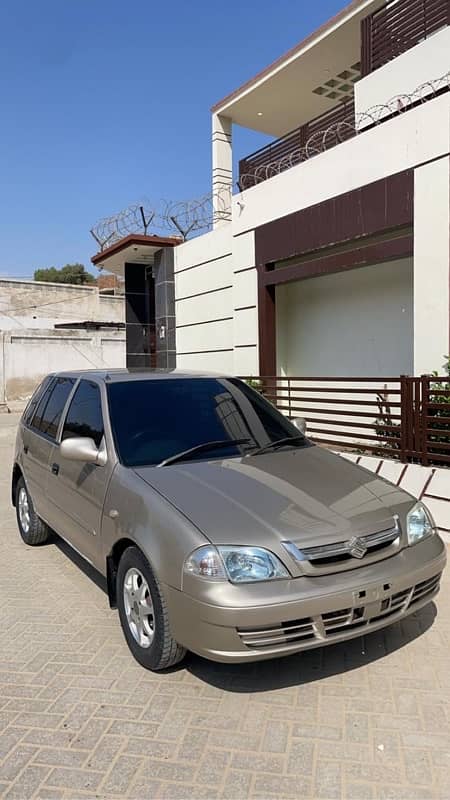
x,y
439,395
70,273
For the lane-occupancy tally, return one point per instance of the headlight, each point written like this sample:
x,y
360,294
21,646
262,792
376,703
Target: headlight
x,y
236,564
419,523
245,564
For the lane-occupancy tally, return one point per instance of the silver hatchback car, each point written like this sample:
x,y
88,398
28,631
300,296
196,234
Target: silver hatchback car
x,y
220,527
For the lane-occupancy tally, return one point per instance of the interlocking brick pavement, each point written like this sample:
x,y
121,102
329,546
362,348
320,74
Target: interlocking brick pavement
x,y
80,719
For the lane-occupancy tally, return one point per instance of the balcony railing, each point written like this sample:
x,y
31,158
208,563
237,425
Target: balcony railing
x,y
298,145
388,32
398,26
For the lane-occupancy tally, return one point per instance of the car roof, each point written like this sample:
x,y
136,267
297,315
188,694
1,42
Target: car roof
x,y
119,375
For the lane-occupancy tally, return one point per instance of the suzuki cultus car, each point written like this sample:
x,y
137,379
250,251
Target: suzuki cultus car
x,y
220,527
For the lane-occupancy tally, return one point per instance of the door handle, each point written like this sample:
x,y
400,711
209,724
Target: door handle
x,y
55,469
25,449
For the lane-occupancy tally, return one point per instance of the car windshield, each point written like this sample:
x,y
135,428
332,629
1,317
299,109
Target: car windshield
x,y
154,420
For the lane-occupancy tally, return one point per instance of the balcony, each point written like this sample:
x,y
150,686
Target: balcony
x,y
397,27
321,133
386,33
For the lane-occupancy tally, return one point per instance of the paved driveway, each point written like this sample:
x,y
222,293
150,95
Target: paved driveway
x,y
79,718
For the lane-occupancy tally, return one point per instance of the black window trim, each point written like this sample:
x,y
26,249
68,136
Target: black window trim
x,y
65,410
62,421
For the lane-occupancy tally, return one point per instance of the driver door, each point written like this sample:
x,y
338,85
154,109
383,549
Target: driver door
x,y
78,490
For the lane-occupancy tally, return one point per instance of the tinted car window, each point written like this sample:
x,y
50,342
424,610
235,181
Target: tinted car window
x,y
36,419
50,415
84,417
30,408
155,419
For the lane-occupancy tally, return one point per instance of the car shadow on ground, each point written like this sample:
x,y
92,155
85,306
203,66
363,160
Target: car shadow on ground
x,y
81,563
294,670
316,664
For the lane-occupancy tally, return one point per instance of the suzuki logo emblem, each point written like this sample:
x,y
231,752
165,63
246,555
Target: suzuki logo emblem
x,y
357,548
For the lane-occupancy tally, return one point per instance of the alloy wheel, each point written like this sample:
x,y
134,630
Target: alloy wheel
x,y
24,510
139,607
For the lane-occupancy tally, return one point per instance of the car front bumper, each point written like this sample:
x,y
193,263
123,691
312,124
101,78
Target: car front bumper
x,y
315,611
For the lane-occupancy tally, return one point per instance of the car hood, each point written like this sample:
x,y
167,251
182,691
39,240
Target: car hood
x,y
308,496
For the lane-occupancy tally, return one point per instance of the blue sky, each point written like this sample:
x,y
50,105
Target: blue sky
x,y
105,102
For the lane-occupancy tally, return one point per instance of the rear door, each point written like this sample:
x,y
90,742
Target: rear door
x,y
38,439
77,490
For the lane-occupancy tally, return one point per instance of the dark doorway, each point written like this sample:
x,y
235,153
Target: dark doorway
x,y
140,316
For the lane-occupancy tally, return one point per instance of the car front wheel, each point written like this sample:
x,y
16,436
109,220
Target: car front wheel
x,y
143,613
32,529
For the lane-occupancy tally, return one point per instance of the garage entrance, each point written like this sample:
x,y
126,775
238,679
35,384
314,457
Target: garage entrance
x,y
356,323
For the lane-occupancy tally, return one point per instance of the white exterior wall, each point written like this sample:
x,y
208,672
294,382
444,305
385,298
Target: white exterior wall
x,y
422,134
427,61
431,265
204,302
216,276
245,300
352,323
419,140
216,303
222,168
28,355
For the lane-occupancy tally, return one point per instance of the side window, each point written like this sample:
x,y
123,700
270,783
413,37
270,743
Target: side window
x,y
51,414
36,419
30,408
84,417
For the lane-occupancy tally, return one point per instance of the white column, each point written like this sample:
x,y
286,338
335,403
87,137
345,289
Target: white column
x,y
245,305
222,169
431,265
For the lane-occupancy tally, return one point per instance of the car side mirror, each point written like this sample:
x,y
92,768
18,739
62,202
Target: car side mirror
x,y
300,424
83,448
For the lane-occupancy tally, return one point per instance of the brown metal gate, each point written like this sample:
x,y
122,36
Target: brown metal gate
x,y
407,418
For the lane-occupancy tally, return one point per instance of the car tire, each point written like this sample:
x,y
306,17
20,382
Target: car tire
x,y
143,613
32,528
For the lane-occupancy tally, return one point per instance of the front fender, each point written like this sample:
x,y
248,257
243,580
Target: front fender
x,y
135,511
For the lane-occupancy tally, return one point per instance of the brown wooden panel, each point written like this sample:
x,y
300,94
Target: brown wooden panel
x,y
383,205
361,256
267,329
398,26
414,434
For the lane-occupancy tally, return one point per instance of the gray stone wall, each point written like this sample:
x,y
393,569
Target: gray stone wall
x,y
35,304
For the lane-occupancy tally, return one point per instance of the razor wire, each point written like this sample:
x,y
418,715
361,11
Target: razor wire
x,y
166,217
339,132
190,217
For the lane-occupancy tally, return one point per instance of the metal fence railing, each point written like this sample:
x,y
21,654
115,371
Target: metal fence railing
x,y
288,150
403,417
398,26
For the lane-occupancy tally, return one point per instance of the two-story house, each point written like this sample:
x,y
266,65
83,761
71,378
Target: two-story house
x,y
332,256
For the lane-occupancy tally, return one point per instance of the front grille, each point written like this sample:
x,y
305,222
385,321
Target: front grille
x,y
421,590
284,633
338,552
332,624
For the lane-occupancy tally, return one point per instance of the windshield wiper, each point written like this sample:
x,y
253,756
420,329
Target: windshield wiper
x,y
215,445
277,443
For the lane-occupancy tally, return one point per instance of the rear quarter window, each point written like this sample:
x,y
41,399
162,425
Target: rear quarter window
x,y
30,408
33,401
